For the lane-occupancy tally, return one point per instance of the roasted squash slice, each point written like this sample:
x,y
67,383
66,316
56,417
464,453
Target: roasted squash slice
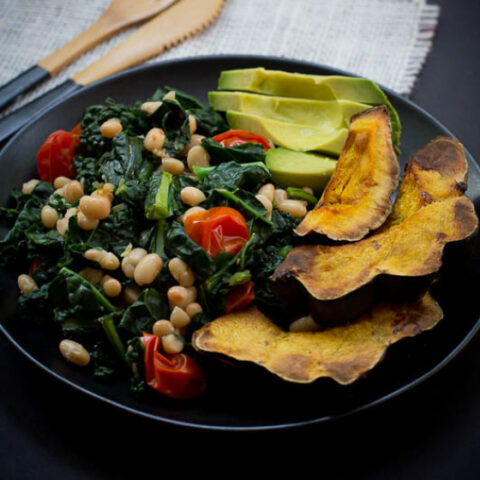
x,y
357,197
343,353
431,210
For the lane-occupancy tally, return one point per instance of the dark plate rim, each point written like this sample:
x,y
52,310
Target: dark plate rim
x,y
257,58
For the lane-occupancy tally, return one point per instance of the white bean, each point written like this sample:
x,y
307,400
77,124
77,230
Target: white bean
x,y
109,261
191,296
29,187
62,226
304,324
49,216
266,203
294,207
147,269
162,327
70,212
280,196
179,317
172,343
95,207
170,95
268,190
60,191
92,275
94,254
60,182
86,223
192,196
111,286
198,156
172,165
154,139
136,255
131,294
150,107
74,352
177,296
102,192
181,272
26,283
73,191
110,128
192,121
193,309
190,211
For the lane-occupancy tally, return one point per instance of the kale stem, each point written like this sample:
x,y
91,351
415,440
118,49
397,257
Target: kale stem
x,y
234,198
160,238
302,195
112,335
100,297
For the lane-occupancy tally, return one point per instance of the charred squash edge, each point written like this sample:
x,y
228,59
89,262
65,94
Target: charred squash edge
x,y
357,228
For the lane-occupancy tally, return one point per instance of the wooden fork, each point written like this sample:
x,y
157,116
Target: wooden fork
x,y
119,15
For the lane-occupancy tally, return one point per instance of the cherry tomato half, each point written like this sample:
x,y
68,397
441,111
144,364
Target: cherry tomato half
x,y
176,375
218,229
240,297
55,156
34,265
232,138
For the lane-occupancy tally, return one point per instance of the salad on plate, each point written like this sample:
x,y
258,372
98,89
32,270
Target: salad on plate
x,y
161,233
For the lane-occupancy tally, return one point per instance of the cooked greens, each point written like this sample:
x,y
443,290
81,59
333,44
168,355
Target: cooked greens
x,y
71,265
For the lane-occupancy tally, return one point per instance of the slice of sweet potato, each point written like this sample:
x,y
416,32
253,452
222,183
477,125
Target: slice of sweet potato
x,y
431,210
357,197
342,353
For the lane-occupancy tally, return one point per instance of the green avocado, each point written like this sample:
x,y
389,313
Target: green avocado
x,y
313,87
297,169
290,135
316,113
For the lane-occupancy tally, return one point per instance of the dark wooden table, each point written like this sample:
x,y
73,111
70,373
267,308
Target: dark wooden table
x,y
48,431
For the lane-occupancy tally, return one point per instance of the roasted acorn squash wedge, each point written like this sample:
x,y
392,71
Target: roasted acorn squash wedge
x,y
356,200
431,211
342,353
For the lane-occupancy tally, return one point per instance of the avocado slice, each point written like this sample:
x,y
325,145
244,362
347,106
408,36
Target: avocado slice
x,y
290,135
314,87
298,169
316,113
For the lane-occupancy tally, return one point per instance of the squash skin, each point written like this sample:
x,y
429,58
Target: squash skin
x,y
399,261
356,200
343,353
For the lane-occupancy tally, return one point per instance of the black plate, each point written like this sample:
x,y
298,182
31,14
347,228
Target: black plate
x,y
248,398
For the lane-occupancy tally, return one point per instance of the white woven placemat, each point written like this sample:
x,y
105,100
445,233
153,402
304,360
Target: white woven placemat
x,y
385,40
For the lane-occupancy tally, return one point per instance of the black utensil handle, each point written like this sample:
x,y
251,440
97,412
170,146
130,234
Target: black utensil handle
x,y
17,119
22,83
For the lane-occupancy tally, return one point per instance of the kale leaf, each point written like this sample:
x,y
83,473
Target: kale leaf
x,y
179,244
209,122
232,175
246,152
92,144
28,234
141,315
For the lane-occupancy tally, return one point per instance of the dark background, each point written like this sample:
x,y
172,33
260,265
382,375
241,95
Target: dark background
x,y
47,430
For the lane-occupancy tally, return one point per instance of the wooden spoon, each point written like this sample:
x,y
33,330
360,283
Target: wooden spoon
x,y
118,15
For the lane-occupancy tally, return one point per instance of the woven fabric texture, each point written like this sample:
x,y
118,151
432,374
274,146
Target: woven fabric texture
x,y
385,40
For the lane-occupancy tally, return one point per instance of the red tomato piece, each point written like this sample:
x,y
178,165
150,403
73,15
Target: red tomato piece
x,y
55,156
34,265
175,375
76,131
218,229
232,138
240,297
